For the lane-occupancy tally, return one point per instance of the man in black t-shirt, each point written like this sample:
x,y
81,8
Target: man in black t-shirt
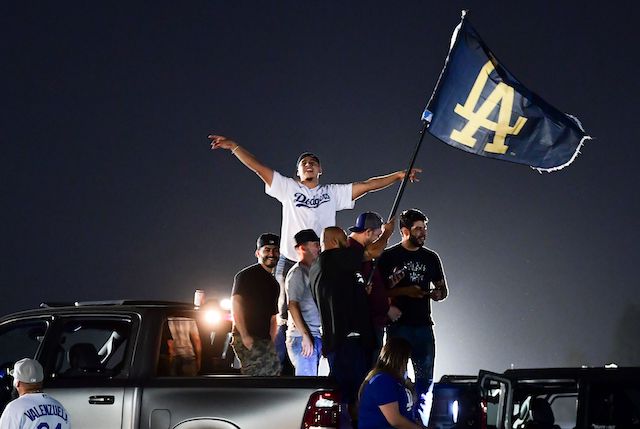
x,y
366,231
339,289
255,301
411,270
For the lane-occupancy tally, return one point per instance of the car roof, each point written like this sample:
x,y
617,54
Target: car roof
x,y
110,306
554,376
576,373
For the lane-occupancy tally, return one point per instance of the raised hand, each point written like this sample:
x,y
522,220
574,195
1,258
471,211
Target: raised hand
x,y
221,142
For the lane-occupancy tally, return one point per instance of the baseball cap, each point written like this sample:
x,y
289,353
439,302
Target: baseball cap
x,y
367,220
267,239
306,154
305,236
27,371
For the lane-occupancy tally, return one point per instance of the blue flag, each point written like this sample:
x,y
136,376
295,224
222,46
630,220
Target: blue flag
x,y
480,107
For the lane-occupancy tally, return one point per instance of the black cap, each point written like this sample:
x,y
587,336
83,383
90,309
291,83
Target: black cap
x,y
268,239
305,236
367,220
306,154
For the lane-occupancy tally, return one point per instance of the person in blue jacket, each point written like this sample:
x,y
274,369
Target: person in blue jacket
x,y
386,398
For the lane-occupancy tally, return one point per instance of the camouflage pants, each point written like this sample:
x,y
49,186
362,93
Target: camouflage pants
x,y
261,360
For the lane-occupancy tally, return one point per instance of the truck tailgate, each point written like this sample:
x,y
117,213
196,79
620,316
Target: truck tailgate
x,y
228,402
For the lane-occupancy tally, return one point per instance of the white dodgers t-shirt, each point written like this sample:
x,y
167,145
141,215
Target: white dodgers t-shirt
x,y
304,208
34,411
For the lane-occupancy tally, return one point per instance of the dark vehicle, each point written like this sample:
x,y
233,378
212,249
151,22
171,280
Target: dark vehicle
x,y
112,365
554,398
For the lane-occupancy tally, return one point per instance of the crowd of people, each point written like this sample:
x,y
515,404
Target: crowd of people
x,y
315,291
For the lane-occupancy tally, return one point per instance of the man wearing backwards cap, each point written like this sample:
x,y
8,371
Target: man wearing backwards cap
x,y
304,342
254,300
367,229
339,290
305,204
33,409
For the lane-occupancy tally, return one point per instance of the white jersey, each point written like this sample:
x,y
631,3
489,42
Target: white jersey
x,y
35,411
304,208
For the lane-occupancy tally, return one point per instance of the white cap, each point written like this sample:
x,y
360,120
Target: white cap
x,y
27,371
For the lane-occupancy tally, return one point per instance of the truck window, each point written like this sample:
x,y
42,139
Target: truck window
x,y
196,343
495,407
564,409
455,405
613,407
92,347
497,400
181,348
558,410
19,339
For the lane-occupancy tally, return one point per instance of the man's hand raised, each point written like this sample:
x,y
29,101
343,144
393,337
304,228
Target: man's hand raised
x,y
388,226
413,174
221,142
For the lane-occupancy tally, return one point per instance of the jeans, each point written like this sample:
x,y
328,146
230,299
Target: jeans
x,y
280,343
304,365
423,353
282,268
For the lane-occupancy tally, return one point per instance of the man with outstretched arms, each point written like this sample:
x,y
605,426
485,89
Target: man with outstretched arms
x,y
306,204
33,409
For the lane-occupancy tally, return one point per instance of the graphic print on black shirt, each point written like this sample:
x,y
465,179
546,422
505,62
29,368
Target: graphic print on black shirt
x,y
422,267
415,272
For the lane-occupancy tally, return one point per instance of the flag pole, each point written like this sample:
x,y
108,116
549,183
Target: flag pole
x,y
396,202
403,185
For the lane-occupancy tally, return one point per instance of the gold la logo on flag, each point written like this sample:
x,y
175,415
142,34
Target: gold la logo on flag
x,y
480,107
502,96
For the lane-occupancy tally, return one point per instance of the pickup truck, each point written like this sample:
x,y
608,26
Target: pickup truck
x,y
107,363
547,398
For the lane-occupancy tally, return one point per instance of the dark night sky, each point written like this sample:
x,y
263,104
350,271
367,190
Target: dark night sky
x,y
109,188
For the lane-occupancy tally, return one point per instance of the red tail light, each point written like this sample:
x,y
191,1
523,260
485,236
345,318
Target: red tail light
x,y
323,411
